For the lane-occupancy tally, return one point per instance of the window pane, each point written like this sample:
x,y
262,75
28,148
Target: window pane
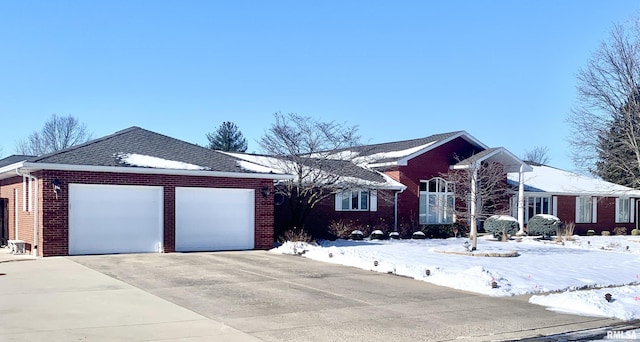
x,y
433,185
354,200
545,206
423,186
364,200
346,199
422,215
432,209
623,210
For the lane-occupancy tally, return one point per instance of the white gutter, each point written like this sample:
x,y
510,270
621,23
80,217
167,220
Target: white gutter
x,y
144,170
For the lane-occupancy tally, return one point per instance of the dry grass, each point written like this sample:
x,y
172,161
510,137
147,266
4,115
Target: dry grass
x,y
566,232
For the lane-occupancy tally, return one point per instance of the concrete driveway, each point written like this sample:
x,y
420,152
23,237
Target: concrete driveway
x,y
287,298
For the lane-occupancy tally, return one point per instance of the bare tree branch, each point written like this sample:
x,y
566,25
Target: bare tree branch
x,y
58,133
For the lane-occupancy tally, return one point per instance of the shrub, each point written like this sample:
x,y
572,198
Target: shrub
x,y
591,232
341,228
501,225
443,231
296,235
620,231
356,235
635,232
418,235
605,233
566,231
545,225
377,235
394,235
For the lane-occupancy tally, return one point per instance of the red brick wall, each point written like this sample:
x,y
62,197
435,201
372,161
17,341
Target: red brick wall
x,y
424,167
324,213
25,218
54,212
606,215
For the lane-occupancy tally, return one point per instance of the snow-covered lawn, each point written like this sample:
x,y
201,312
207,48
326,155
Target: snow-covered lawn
x,y
595,265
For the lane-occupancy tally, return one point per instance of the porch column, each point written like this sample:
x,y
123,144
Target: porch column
x,y
473,209
521,200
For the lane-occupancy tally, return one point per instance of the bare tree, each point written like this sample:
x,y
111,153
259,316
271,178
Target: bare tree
x,y
538,154
609,96
58,133
486,185
306,148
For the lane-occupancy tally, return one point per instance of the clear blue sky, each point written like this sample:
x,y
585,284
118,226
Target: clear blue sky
x,y
502,70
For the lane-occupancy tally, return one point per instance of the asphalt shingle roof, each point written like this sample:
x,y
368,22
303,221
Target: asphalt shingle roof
x,y
135,140
16,158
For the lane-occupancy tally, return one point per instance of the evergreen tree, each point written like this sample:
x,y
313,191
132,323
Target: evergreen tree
x,y
227,137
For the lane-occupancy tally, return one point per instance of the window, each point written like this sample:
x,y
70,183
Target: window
x,y
623,210
537,205
356,200
437,201
585,210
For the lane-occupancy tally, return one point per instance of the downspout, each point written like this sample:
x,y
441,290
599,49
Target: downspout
x,y
395,209
521,200
34,199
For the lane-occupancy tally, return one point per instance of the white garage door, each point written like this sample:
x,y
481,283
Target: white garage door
x,y
214,219
115,219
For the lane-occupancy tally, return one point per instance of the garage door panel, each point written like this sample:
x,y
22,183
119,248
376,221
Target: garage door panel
x,y
115,219
210,219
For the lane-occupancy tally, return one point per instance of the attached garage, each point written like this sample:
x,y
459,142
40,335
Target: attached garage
x,y
115,219
214,219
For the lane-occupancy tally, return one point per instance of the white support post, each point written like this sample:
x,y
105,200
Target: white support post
x,y
521,200
473,209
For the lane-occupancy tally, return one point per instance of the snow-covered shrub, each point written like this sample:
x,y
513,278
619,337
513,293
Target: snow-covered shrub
x,y
501,225
356,235
394,235
418,235
545,225
591,232
377,235
635,232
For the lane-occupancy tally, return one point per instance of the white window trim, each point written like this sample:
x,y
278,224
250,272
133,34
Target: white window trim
x,y
445,194
372,200
629,207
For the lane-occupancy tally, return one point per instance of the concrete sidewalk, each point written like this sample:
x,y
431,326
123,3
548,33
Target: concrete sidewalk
x,y
56,299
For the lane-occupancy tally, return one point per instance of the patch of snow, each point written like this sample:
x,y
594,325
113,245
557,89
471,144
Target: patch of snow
x,y
141,160
249,166
372,158
583,269
505,218
548,217
552,180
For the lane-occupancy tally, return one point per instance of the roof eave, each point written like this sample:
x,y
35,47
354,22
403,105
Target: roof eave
x,y
27,166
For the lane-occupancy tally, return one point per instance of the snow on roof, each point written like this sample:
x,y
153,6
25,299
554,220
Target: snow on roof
x,y
249,166
373,158
282,166
141,160
555,181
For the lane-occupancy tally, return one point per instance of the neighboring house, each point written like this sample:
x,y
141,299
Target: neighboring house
x,y
136,191
588,202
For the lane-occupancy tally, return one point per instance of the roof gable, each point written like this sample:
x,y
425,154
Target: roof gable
x,y
400,152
